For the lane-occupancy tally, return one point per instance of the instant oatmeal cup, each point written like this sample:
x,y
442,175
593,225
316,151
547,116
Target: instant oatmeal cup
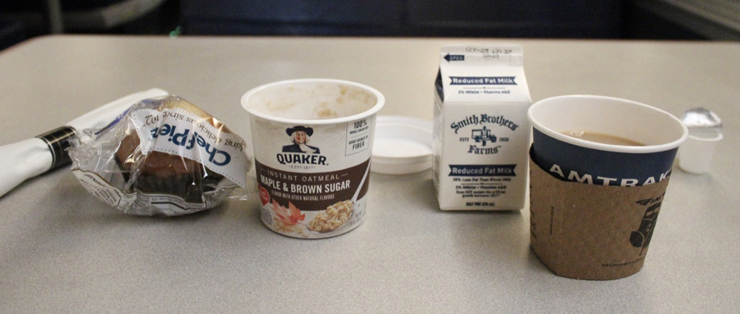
x,y
312,141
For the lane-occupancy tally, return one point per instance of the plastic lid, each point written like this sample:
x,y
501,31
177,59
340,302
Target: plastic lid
x,y
402,145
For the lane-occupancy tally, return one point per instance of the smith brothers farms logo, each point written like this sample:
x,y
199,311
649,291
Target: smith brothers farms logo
x,y
484,141
299,152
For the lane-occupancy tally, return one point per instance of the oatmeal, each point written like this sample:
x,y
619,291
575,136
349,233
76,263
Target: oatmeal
x,y
332,218
312,140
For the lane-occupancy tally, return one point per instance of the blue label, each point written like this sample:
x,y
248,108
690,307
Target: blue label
x,y
183,138
569,162
482,171
450,57
482,80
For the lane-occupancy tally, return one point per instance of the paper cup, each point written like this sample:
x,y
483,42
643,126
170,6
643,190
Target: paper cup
x,y
312,142
574,159
594,206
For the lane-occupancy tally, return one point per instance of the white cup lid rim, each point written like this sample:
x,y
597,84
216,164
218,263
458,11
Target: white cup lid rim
x,y
607,147
402,145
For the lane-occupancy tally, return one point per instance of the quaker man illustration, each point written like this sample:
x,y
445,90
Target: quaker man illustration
x,y
300,135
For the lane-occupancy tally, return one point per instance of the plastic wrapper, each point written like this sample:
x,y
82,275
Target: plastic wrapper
x,y
163,156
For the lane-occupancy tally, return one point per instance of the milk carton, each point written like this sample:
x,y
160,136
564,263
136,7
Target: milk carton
x,y
481,131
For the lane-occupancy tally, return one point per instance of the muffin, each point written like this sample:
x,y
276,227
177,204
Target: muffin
x,y
163,173
163,156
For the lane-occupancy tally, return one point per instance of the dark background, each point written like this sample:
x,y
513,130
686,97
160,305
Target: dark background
x,y
585,19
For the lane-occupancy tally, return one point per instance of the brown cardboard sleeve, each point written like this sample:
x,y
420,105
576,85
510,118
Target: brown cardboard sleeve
x,y
587,231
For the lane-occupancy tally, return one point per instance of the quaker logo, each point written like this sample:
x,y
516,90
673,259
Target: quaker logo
x,y
640,238
300,152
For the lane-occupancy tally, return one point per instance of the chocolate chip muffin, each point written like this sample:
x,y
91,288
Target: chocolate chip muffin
x,y
163,173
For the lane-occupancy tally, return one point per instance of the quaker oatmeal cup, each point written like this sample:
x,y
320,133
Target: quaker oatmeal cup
x,y
312,141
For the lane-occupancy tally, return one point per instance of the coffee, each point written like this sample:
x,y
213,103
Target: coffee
x,y
602,138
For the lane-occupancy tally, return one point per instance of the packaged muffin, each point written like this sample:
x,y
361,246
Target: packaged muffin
x,y
163,156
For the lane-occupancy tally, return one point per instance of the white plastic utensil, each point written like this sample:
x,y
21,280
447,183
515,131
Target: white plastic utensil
x,y
32,157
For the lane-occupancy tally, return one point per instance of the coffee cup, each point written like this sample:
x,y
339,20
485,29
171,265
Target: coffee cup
x,y
599,171
649,140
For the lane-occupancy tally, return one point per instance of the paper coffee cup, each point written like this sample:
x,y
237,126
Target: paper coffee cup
x,y
594,205
573,159
312,142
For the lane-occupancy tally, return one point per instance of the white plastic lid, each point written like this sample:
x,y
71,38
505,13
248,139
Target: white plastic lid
x,y
402,145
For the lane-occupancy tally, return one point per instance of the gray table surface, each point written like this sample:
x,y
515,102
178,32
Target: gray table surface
x,y
62,250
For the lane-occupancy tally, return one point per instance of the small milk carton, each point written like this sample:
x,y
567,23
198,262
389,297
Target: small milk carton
x,y
481,131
